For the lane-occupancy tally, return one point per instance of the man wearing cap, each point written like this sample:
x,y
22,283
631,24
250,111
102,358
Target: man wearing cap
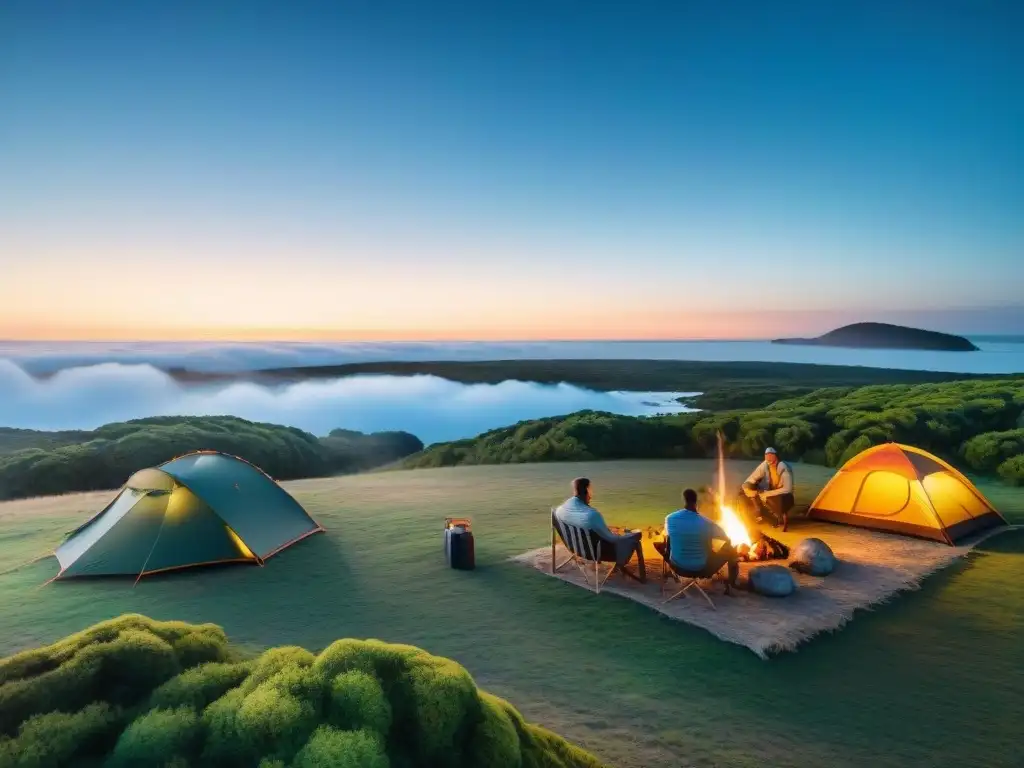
x,y
770,489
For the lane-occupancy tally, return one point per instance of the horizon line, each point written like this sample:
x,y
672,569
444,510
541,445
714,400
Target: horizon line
x,y
441,340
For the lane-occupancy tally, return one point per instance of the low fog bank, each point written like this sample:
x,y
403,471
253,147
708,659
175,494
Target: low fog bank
x,y
996,355
432,408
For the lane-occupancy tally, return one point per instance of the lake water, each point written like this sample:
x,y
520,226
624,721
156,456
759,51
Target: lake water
x,y
97,383
996,355
432,408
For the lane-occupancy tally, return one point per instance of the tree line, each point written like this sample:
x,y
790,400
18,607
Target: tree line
x,y
976,425
106,457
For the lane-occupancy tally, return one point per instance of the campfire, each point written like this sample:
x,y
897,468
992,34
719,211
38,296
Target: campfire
x,y
756,547
750,547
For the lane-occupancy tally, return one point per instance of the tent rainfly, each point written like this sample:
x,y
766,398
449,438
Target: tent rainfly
x,y
199,509
902,489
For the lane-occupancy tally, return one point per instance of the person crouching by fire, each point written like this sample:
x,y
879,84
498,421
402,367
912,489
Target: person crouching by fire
x,y
770,490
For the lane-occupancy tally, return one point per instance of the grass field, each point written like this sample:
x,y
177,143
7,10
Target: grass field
x,y
933,678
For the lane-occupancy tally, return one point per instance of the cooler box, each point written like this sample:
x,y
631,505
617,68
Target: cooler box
x,y
459,551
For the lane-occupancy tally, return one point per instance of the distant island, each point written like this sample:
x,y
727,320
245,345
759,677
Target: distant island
x,y
886,336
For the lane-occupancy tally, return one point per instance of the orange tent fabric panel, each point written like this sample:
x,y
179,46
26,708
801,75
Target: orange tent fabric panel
x,y
841,492
954,502
890,461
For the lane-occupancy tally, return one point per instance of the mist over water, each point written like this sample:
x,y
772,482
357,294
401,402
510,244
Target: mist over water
x,y
996,355
94,383
431,408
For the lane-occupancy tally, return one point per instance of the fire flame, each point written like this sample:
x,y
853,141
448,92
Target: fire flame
x,y
733,527
731,523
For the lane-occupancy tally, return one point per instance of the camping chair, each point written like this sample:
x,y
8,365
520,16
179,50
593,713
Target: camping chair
x,y
585,547
687,578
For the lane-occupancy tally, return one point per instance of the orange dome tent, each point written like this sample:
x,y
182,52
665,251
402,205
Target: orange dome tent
x,y
905,490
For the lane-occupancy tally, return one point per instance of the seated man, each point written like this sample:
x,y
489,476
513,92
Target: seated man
x,y
576,510
690,535
770,489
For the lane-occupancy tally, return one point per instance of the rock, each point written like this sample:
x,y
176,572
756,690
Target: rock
x,y
813,556
771,580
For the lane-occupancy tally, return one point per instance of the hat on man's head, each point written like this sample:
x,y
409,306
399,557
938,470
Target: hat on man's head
x,y
770,450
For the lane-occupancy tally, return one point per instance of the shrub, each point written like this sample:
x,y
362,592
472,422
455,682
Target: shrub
x,y
1012,470
862,443
61,738
836,445
357,703
330,748
444,701
986,452
200,686
156,737
496,740
118,671
272,721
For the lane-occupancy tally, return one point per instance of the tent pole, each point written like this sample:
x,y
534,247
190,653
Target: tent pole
x,y
152,548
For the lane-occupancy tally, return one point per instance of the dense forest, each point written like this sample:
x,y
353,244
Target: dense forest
x,y
41,463
137,692
976,424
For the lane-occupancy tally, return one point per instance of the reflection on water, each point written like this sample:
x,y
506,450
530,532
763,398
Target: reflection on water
x,y
431,408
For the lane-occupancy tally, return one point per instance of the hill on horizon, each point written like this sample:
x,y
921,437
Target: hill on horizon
x,y
885,336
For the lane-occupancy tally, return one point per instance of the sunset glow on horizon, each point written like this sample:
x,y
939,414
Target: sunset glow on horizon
x,y
350,174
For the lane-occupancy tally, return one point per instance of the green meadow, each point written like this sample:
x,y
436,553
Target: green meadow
x,y
931,678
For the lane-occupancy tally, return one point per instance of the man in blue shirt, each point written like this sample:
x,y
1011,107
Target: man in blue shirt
x,y
576,510
690,535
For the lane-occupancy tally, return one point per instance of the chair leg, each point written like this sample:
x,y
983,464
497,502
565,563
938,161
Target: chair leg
x,y
666,574
700,589
692,583
582,566
570,559
680,593
607,575
556,566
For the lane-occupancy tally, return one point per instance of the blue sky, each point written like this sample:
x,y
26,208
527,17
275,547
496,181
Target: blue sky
x,y
462,169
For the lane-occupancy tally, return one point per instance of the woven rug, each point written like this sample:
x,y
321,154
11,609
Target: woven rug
x,y
872,568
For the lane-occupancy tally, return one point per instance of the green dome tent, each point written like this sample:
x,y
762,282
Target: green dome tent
x,y
198,509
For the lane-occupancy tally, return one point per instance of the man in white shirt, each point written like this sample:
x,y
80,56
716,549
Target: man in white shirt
x,y
770,489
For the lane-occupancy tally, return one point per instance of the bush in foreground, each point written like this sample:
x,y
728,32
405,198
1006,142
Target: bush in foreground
x,y
137,692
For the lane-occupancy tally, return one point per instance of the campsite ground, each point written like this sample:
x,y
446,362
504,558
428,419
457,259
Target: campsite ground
x,y
931,678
